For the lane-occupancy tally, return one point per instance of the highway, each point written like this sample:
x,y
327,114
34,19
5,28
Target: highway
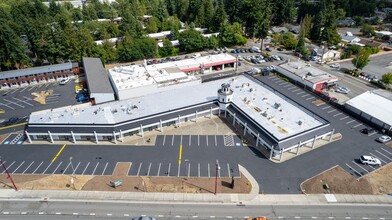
x,y
119,210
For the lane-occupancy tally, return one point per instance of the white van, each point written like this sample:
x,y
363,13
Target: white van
x,y
256,49
196,55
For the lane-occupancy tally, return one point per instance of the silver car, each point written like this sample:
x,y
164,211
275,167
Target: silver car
x,y
342,90
144,218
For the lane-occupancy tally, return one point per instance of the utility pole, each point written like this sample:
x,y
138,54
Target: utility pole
x,y
8,175
216,176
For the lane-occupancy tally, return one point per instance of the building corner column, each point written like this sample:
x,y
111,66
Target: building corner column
x,y
28,137
50,136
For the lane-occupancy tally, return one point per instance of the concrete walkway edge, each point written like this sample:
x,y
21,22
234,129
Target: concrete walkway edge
x,y
255,186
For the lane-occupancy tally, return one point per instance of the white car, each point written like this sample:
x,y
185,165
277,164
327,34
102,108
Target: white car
x,y
335,65
342,90
64,81
383,139
369,160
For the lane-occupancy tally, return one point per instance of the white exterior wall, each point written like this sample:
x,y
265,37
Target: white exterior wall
x,y
102,97
297,78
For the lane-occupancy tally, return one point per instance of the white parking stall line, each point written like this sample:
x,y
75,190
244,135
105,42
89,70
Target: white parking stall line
x,y
149,168
350,122
209,174
20,100
384,155
361,167
198,169
27,98
190,138
341,119
378,158
172,141
326,107
27,167
94,168
216,144
7,106
198,140
300,93
337,114
283,83
8,166
207,140
310,98
5,139
305,95
372,133
66,167
14,91
386,151
138,171
14,103
228,170
189,169
333,110
31,88
357,125
179,170
164,139
104,169
159,169
181,139
295,90
24,89
219,174
57,167
275,78
168,170
88,164
354,170
47,168
37,167
293,87
18,167
76,168
287,85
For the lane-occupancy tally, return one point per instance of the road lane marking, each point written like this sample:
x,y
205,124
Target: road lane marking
x,y
7,167
58,153
86,168
138,171
57,167
95,168
350,122
149,168
28,167
18,167
343,118
159,169
357,125
104,169
38,167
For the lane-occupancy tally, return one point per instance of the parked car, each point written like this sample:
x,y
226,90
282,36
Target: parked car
x,y
64,81
144,218
383,139
240,58
268,49
335,65
280,49
368,130
369,160
11,121
342,90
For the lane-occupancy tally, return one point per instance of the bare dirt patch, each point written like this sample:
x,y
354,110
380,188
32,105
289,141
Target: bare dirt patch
x,y
381,180
40,97
318,102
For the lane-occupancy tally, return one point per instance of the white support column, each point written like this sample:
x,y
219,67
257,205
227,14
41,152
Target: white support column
x,y
281,155
121,136
160,125
50,136
234,118
219,112
96,137
245,128
179,121
141,130
211,113
299,145
28,137
223,66
73,137
114,136
330,137
257,139
271,151
210,69
195,115
314,141
225,113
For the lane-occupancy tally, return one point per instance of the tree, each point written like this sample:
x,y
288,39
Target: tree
x,y
264,20
230,35
127,51
361,60
288,40
191,40
368,30
151,25
387,78
167,49
285,10
220,16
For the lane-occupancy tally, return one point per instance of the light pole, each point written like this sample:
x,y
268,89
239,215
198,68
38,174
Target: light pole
x,y
8,175
70,161
216,176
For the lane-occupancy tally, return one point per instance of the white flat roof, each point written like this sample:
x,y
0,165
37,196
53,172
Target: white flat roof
x,y
308,72
377,103
272,112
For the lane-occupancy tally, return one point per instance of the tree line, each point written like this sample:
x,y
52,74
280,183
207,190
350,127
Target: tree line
x,y
32,34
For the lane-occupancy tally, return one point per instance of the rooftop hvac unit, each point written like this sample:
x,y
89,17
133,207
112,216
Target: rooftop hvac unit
x,y
300,122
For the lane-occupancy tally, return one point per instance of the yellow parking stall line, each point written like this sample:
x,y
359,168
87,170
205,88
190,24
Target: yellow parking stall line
x,y
58,153
11,126
180,155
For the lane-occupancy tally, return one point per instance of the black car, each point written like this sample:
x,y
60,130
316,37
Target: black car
x,y
11,121
367,130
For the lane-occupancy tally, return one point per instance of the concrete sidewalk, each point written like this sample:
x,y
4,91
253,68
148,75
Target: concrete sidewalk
x,y
238,199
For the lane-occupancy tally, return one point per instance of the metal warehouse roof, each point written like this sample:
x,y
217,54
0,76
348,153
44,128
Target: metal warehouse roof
x,y
36,70
97,78
308,72
377,103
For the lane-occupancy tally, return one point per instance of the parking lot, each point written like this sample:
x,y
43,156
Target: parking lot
x,y
20,102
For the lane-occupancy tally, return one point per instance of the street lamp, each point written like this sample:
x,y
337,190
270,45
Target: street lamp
x,y
8,175
216,176
70,161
